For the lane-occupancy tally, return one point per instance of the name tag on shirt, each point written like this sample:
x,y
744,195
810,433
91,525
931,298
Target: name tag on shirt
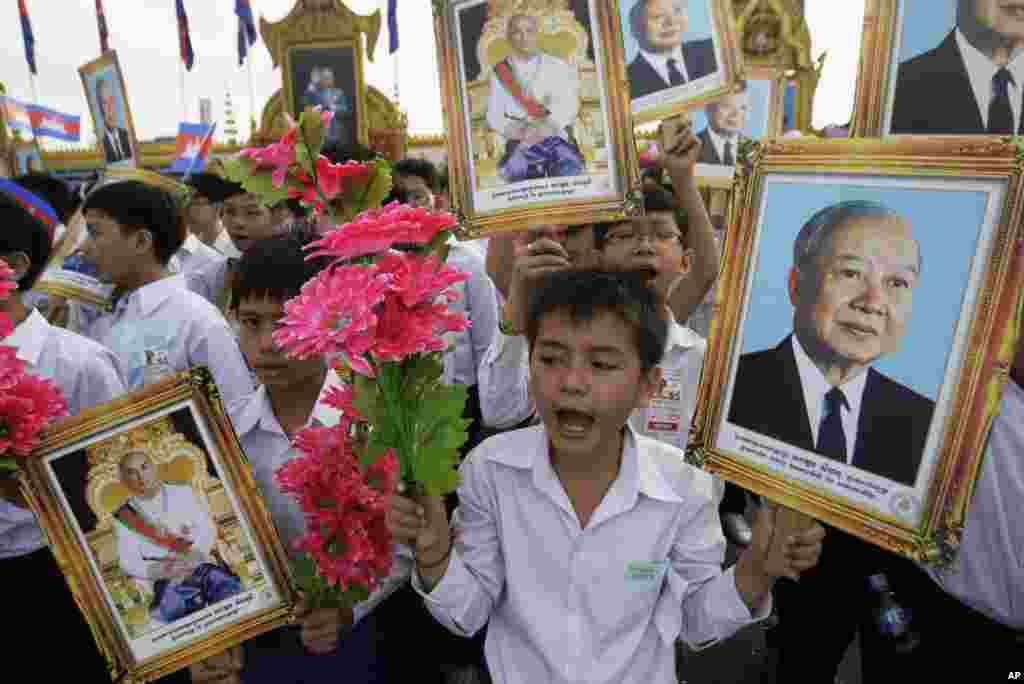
x,y
644,576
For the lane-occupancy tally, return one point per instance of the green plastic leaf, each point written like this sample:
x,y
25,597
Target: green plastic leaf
x,y
379,187
312,131
259,182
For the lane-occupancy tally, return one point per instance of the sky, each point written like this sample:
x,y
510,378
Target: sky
x,y
144,34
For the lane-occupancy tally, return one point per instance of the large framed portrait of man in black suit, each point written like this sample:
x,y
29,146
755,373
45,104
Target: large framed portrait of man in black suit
x,y
864,311
942,67
679,53
108,103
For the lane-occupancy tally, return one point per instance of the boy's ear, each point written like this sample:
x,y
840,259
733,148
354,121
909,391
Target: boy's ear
x,y
650,382
686,261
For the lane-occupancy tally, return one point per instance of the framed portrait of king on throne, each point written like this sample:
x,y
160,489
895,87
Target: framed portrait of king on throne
x,y
153,517
538,123
329,76
868,316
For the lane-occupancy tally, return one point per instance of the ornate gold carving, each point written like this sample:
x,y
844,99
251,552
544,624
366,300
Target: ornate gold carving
x,y
319,21
773,33
560,34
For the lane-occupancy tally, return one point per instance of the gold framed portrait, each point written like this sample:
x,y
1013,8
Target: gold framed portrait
x,y
329,75
154,518
537,122
112,119
865,327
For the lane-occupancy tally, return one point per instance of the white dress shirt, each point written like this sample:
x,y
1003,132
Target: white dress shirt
x,y
225,246
193,255
550,81
162,328
479,302
815,388
505,399
981,70
87,375
988,573
267,448
659,62
596,605
208,280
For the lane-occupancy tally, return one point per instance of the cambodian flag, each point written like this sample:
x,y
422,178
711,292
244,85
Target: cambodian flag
x,y
16,114
393,26
193,148
184,39
47,123
101,22
246,29
26,34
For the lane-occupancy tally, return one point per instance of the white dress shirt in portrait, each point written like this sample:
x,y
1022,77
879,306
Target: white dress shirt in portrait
x,y
659,62
87,375
162,328
981,70
596,605
193,255
815,387
267,448
718,142
550,81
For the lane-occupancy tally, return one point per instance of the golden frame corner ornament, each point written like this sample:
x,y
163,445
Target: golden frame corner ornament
x,y
623,201
987,347
87,71
733,66
148,409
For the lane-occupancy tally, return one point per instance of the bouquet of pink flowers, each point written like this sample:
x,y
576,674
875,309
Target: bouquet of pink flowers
x,y
27,403
381,317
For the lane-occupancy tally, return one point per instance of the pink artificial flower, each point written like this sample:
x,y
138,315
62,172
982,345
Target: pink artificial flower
x,y
335,179
334,314
341,398
383,473
27,406
418,279
403,331
377,230
7,280
279,156
6,325
11,367
649,155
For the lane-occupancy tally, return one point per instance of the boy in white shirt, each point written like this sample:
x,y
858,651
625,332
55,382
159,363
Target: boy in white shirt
x,y
157,327
590,548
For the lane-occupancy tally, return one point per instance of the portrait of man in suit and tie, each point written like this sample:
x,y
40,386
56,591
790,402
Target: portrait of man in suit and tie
x,y
855,269
117,146
664,60
727,119
970,83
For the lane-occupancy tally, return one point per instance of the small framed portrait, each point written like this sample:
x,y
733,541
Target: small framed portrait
x,y
329,76
538,127
940,67
679,54
26,158
108,103
754,111
864,330
153,516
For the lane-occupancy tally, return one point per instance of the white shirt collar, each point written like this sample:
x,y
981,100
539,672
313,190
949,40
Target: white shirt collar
x,y
815,386
256,410
225,246
29,337
191,244
660,62
981,70
680,336
152,295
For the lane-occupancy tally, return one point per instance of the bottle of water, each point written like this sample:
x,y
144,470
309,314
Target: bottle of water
x,y
891,619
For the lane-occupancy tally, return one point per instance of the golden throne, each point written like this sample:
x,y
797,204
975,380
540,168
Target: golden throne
x,y
560,35
178,461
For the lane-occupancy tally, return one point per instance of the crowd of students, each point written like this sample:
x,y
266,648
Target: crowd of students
x,y
580,546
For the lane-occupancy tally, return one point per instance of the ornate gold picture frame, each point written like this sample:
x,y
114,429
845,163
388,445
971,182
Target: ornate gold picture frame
x,y
112,119
826,241
147,495
329,75
541,139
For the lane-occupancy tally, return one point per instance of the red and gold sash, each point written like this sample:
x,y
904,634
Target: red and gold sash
x,y
532,107
131,519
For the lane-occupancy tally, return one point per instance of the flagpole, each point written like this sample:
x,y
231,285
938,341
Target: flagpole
x,y
184,103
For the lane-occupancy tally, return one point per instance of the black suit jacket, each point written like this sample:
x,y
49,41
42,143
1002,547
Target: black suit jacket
x,y
894,419
934,94
708,153
699,59
123,141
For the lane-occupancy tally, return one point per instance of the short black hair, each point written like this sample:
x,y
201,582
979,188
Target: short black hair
x,y
584,294
655,199
339,153
53,191
420,168
277,267
137,206
22,232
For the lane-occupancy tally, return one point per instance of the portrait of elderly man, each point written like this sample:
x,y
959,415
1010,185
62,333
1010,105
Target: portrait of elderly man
x,y
533,103
855,268
971,83
165,542
322,92
726,120
117,144
664,60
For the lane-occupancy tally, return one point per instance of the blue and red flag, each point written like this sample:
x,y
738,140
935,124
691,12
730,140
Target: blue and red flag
x,y
48,123
188,57
26,34
101,23
246,29
16,114
193,147
392,26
